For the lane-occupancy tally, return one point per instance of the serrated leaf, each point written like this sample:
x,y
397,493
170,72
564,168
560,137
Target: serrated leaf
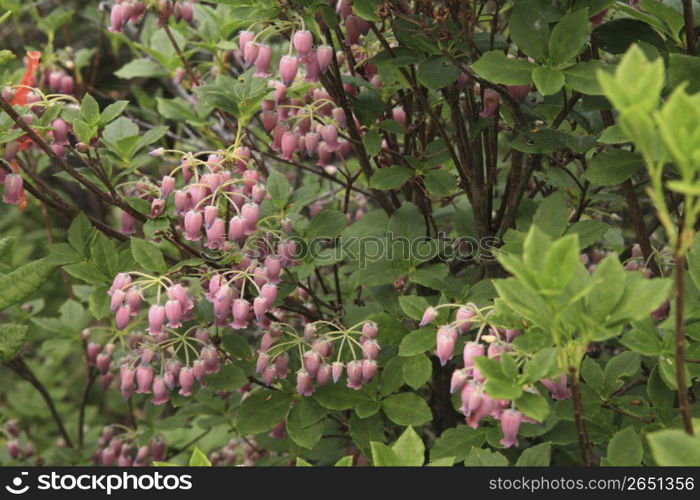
x,y
19,284
147,255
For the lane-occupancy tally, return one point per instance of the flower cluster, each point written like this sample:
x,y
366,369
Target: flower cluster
x,y
315,348
121,449
468,380
15,449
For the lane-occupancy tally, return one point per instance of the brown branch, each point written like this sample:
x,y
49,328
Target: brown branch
x,y
18,366
683,404
689,25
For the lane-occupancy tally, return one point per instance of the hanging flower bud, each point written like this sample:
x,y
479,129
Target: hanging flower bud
x,y
558,388
323,376
303,41
14,188
157,208
250,53
262,61
510,423
156,318
241,314
459,378
337,371
369,369
282,365
122,316
370,349
260,307
118,298
268,375
288,68
91,352
120,282
144,379
210,358
304,383
236,228
369,329
446,340
160,391
464,314
193,225
354,371
324,56
198,370
173,311
127,223
186,379
429,316
471,351
183,202
167,184
215,234
491,100
133,300
250,213
244,37
116,18
127,376
311,361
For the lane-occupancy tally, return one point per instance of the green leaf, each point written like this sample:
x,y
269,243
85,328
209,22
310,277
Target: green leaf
x,y
409,449
533,406
539,455
327,224
582,77
19,284
112,111
391,177
383,456
413,305
305,431
548,80
199,459
673,447
440,183
121,128
219,95
479,457
417,342
437,72
612,167
372,142
366,9
625,364
552,215
11,340
456,442
147,255
261,411
278,187
569,36
625,448
90,110
416,370
339,397
80,233
407,409
229,378
496,67
140,68
368,106
346,461
588,231
529,29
